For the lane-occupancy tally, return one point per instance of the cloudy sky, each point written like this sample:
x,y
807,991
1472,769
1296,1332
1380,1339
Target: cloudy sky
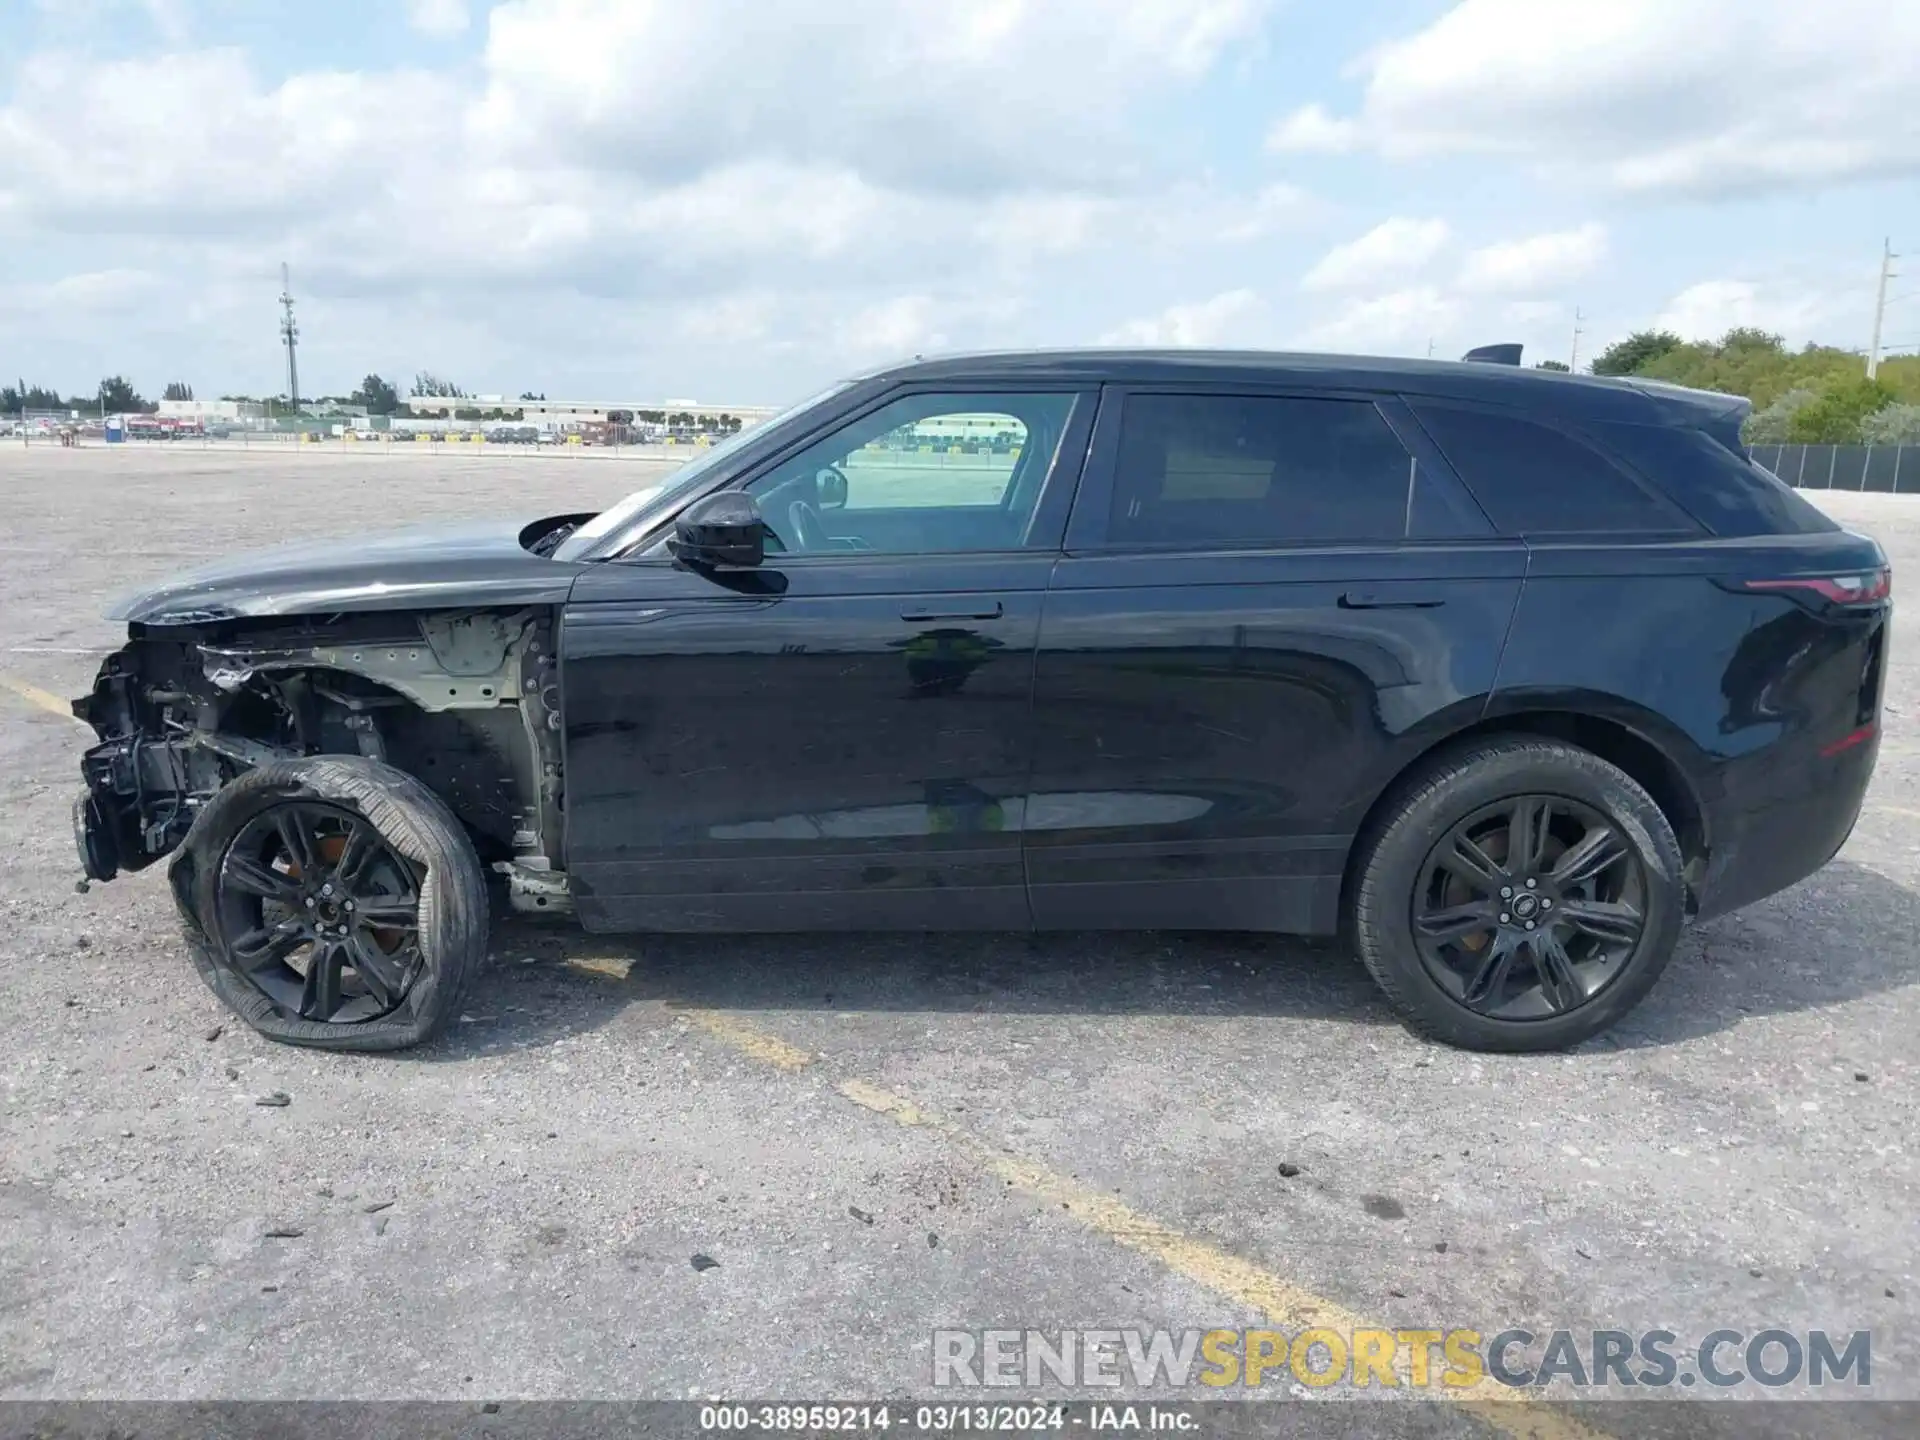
x,y
659,198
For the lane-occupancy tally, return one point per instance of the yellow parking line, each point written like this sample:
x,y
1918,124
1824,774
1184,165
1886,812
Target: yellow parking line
x,y
41,699
1905,810
750,1040
1288,1305
606,968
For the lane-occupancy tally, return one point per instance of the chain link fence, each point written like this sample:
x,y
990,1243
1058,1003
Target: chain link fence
x,y
1886,468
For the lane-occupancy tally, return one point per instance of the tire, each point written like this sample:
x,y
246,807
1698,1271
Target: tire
x,y
1394,914
414,826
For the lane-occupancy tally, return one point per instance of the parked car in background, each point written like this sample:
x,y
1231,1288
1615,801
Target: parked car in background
x,y
1500,673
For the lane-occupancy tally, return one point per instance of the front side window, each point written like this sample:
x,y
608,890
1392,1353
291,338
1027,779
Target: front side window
x,y
1250,470
924,474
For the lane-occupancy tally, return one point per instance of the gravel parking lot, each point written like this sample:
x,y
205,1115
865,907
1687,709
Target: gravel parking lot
x,y
872,1137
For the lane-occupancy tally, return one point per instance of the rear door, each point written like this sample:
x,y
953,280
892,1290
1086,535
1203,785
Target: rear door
x,y
1270,601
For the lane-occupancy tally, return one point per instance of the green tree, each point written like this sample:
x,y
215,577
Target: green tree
x,y
118,396
427,383
178,390
1896,424
377,395
1750,337
1834,414
529,395
1626,357
1771,425
1553,365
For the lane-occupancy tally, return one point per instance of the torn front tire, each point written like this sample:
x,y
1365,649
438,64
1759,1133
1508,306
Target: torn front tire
x,y
333,902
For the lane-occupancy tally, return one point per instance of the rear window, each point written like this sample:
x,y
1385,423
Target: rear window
x,y
1263,471
1534,480
1724,491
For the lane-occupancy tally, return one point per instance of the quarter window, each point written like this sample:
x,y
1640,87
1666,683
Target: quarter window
x,y
1258,471
1535,480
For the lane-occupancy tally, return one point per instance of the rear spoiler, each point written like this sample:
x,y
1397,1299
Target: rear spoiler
x,y
1720,415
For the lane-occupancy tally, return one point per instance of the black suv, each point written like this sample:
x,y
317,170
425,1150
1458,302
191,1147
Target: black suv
x,y
1501,673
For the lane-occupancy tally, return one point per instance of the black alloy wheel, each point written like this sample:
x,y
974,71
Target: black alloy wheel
x,y
318,912
1529,907
1516,893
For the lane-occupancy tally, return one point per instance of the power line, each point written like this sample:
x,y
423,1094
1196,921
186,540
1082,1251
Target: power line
x,y
1887,257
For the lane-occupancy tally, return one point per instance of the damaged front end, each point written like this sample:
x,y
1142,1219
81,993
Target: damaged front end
x,y
467,702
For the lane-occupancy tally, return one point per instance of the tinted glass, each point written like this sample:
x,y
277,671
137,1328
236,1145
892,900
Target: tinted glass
x,y
1727,493
1535,480
1249,470
948,459
922,475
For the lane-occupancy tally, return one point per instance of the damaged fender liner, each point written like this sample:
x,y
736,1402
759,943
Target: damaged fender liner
x,y
468,702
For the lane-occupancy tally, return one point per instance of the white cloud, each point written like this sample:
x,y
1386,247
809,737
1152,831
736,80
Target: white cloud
x,y
1705,96
1277,208
1397,322
1393,249
894,328
1793,309
1229,317
1311,130
970,105
1536,263
438,17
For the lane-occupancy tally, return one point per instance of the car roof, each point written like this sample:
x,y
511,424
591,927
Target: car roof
x,y
1594,397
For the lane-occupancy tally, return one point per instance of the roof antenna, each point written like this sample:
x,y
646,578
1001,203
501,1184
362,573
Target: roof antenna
x,y
1494,355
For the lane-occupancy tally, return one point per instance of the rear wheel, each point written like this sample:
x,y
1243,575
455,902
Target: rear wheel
x,y
333,902
1518,895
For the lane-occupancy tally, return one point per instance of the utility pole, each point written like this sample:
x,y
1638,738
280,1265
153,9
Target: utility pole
x,y
291,334
1573,357
1887,257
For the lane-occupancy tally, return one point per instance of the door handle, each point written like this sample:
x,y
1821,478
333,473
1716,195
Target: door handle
x,y
978,610
1389,600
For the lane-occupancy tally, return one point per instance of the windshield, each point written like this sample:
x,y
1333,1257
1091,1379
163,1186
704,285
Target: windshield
x,y
661,496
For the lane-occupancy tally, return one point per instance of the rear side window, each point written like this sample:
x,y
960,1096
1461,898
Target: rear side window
x,y
1534,480
1724,491
1259,470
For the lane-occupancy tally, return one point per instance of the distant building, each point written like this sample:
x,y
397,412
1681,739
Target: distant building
x,y
212,410
573,414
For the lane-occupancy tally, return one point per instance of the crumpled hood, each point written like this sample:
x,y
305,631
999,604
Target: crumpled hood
x,y
470,563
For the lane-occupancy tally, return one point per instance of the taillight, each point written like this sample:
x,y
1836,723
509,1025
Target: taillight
x,y
1867,587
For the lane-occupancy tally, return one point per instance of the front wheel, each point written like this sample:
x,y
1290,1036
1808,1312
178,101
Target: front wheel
x,y
1519,895
333,902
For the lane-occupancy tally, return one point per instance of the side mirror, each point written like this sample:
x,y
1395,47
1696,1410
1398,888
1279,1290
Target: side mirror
x,y
720,532
831,482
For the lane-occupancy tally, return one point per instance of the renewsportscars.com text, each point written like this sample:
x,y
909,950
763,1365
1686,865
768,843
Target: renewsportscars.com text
x,y
1360,1358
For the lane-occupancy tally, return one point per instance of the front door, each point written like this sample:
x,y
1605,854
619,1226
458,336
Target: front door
x,y
840,740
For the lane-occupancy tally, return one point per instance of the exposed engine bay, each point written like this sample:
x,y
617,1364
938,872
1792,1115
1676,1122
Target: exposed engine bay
x,y
467,701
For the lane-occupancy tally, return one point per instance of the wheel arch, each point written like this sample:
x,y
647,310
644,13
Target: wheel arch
x,y
1627,741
